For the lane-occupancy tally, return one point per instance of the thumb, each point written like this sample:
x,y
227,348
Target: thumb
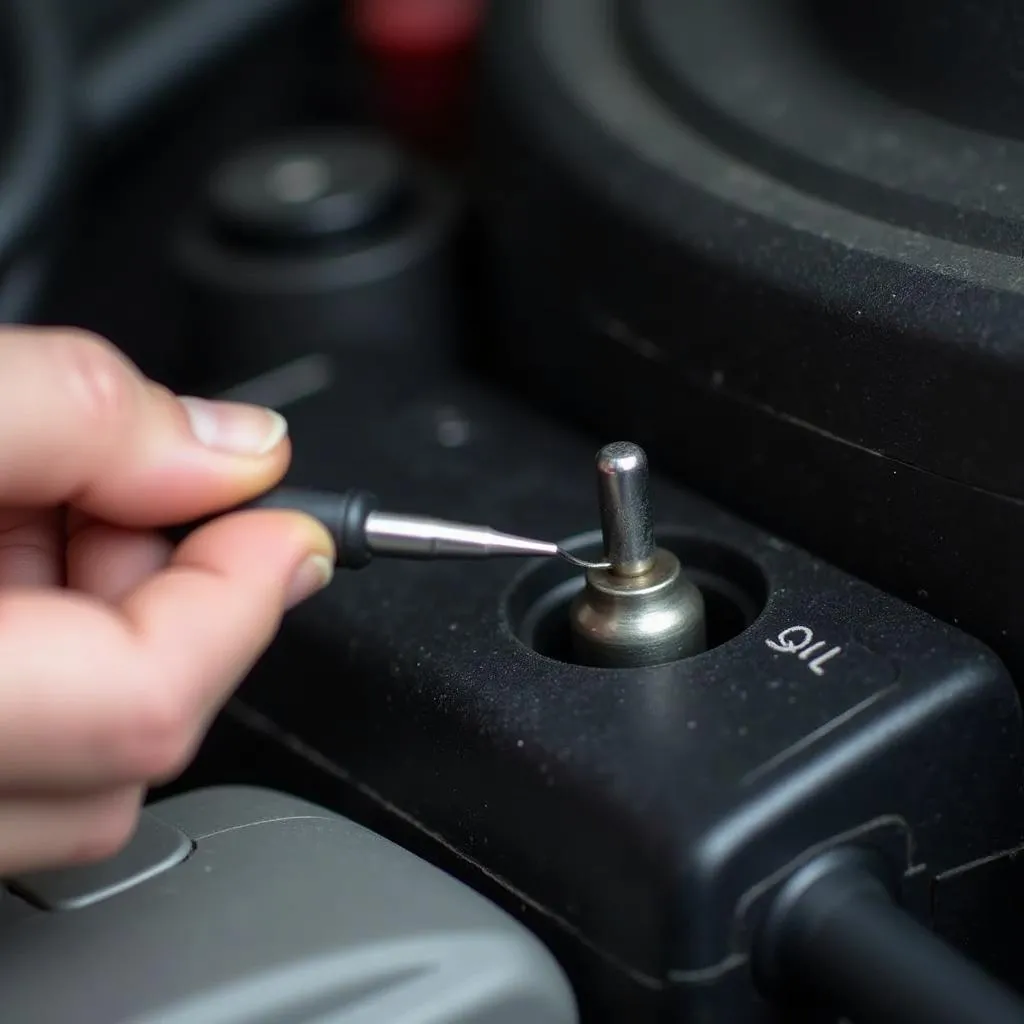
x,y
128,692
80,424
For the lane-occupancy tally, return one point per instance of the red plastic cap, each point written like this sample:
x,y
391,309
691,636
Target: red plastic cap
x,y
421,54
417,26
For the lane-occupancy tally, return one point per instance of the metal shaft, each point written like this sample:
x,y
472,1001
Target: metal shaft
x,y
423,537
627,521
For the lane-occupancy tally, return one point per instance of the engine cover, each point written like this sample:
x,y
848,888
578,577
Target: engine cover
x,y
801,293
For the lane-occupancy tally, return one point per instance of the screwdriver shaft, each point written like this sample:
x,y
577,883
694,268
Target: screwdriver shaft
x,y
361,531
406,536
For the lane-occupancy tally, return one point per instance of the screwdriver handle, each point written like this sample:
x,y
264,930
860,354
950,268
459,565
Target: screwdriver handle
x,y
343,513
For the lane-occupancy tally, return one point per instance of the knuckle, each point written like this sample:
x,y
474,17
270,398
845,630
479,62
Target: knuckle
x,y
109,829
98,380
158,737
169,762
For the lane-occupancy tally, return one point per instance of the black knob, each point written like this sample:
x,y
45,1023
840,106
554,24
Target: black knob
x,y
325,243
308,189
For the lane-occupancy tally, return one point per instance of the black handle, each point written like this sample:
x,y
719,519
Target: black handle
x,y
344,513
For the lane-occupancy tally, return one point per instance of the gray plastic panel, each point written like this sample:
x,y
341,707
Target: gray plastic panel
x,y
284,914
155,847
207,811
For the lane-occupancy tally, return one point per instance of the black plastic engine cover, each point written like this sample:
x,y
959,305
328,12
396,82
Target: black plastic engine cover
x,y
804,296
636,818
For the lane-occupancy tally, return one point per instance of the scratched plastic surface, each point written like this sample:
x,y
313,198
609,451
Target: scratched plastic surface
x,y
639,815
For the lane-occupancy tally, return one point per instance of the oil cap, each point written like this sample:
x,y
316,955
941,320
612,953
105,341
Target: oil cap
x,y
308,189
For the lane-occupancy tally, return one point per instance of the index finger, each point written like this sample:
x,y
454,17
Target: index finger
x,y
79,424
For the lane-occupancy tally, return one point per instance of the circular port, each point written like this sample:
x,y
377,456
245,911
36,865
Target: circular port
x,y
733,587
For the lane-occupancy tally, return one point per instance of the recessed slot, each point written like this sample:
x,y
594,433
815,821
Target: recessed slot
x,y
733,587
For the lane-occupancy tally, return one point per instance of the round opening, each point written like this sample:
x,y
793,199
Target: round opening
x,y
733,586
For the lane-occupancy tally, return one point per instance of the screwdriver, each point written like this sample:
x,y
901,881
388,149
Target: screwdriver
x,y
361,531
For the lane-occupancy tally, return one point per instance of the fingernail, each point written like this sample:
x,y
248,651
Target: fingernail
x,y
311,576
234,428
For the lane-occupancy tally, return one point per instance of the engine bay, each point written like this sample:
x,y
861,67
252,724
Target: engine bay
x,y
462,250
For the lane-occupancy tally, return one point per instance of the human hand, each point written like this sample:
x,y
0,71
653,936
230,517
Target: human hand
x,y
115,650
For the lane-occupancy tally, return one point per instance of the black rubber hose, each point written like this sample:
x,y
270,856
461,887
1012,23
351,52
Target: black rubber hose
x,y
38,134
166,53
54,109
835,939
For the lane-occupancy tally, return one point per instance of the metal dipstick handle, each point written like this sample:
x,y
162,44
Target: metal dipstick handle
x,y
627,521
